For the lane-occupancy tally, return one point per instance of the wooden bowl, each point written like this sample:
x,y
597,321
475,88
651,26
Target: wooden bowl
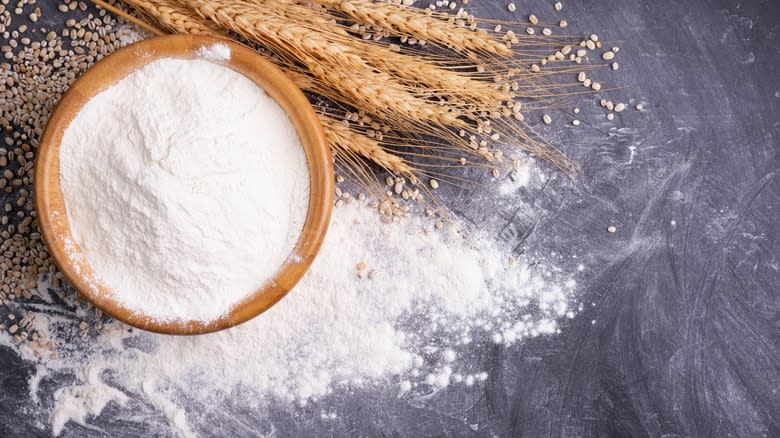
x,y
50,204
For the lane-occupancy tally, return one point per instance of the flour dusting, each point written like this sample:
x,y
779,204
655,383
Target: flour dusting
x,y
215,52
396,305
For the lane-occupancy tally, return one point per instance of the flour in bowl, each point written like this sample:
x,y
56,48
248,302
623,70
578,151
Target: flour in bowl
x,y
186,188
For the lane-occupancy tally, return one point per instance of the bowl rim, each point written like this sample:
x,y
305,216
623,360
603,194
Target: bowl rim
x,y
50,206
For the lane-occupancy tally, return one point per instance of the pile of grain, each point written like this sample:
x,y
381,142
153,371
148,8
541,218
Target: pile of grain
x,y
37,66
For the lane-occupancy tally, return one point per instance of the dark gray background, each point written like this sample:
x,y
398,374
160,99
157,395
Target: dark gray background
x,y
681,328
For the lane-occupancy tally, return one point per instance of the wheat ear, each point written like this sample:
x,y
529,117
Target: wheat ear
x,y
401,20
341,136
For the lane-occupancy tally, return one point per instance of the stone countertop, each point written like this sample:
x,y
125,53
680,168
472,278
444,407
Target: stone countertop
x,y
679,334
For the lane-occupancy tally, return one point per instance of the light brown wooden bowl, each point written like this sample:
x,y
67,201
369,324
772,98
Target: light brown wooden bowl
x,y
50,204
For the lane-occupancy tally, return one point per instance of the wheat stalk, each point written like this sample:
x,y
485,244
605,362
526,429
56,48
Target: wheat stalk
x,y
405,21
342,137
174,17
414,70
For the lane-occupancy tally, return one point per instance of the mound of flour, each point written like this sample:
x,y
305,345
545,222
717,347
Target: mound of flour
x,y
186,187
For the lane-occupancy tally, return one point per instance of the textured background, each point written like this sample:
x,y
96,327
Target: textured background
x,y
683,334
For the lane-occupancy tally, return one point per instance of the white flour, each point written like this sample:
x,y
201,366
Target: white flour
x,y
215,52
185,185
431,300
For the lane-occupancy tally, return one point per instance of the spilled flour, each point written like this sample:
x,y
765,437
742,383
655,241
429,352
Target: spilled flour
x,y
383,305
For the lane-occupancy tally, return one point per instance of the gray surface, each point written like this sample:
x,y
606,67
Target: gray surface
x,y
685,340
